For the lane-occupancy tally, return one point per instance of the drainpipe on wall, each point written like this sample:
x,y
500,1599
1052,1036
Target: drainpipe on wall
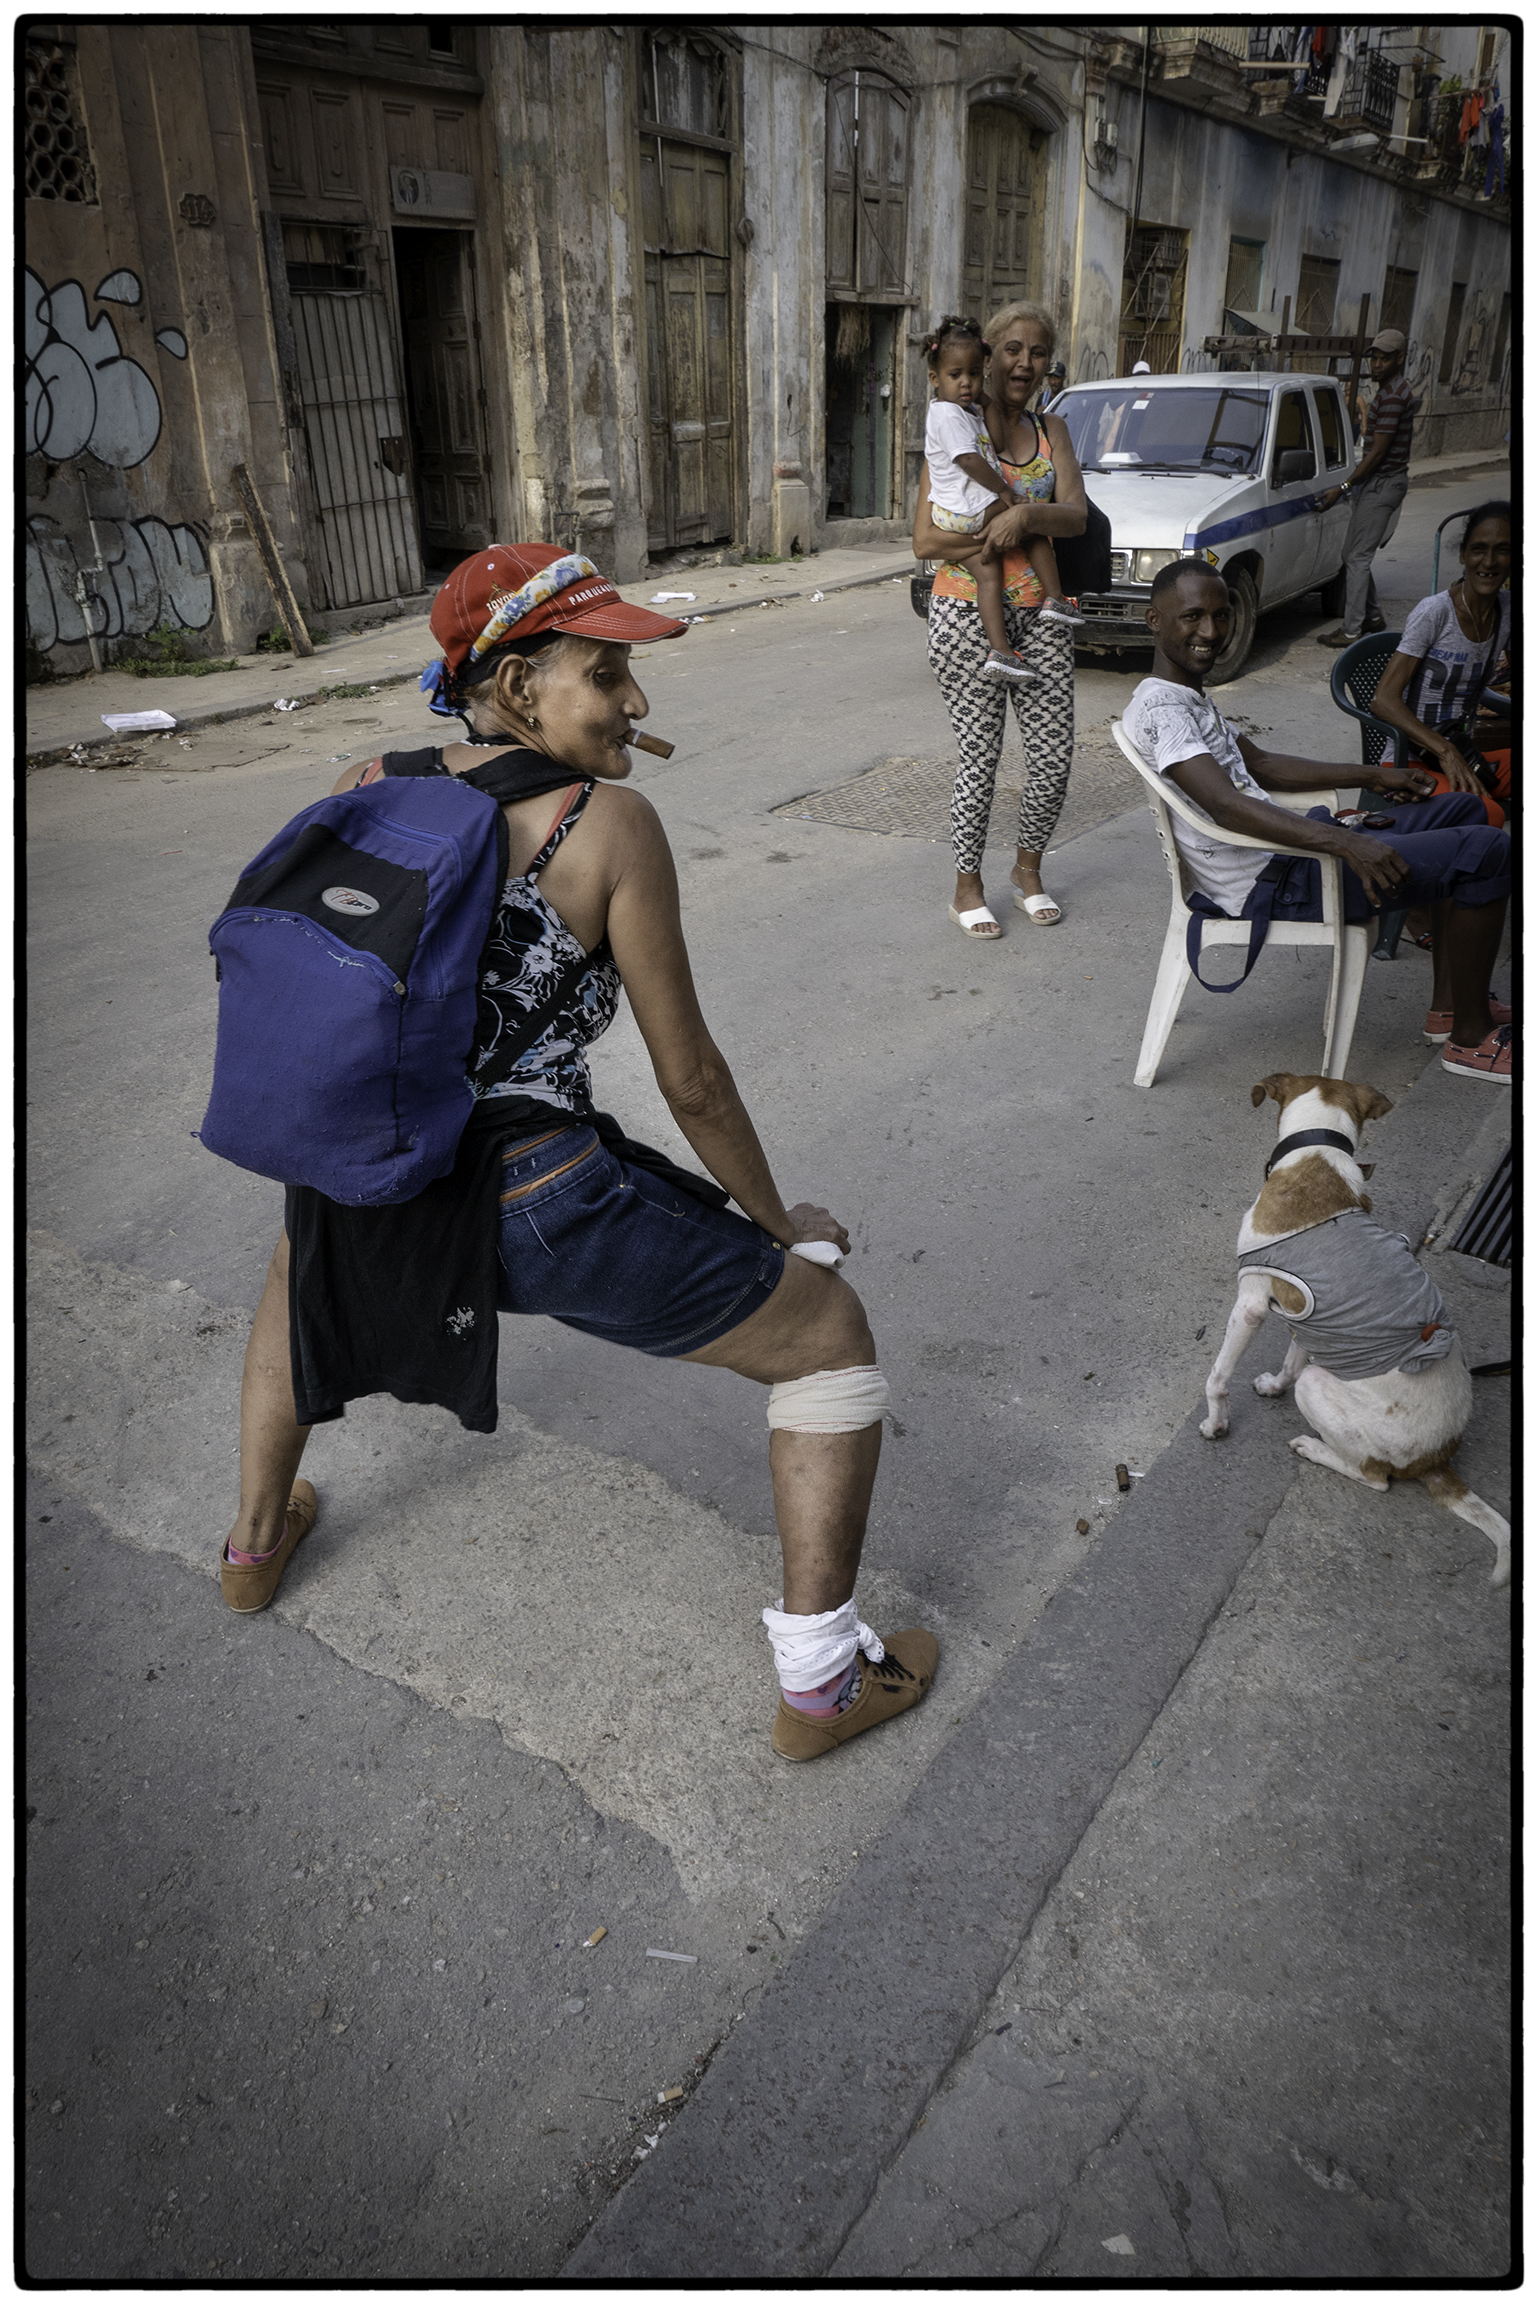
x,y
1136,197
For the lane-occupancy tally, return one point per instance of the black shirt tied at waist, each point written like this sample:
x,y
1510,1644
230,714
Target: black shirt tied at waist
x,y
402,1299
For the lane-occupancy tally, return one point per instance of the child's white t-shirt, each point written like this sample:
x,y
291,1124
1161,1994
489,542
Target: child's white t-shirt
x,y
956,428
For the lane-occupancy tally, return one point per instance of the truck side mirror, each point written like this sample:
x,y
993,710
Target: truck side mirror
x,y
1293,464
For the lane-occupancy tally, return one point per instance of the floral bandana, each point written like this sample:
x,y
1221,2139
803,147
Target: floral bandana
x,y
514,606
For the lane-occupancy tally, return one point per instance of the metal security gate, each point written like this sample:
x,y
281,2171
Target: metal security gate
x,y
355,427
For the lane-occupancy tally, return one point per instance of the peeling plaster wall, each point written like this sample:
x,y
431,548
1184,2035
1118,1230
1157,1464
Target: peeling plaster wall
x,y
1220,181
138,498
784,138
570,258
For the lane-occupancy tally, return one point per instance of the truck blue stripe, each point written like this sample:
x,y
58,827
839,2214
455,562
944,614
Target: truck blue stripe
x,y
1250,523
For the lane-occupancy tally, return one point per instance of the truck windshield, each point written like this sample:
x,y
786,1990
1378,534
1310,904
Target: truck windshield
x,y
1119,425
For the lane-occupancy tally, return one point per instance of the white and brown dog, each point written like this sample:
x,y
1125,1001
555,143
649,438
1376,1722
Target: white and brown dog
x,y
1377,1368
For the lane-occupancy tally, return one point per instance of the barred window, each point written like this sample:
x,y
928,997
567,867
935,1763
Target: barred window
x,y
58,158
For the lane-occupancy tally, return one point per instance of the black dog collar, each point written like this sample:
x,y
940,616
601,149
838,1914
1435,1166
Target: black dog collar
x,y
1310,1136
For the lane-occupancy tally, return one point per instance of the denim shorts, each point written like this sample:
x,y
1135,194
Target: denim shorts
x,y
619,1253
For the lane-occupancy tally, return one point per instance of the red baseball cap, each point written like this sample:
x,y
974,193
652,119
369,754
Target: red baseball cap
x,y
513,591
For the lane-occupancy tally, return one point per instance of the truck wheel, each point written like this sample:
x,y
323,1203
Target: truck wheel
x,y
1331,596
1245,601
922,586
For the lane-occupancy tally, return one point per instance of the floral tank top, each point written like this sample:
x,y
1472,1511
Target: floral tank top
x,y
1037,480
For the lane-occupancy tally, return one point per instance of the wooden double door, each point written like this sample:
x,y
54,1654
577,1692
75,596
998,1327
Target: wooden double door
x,y
691,440
1005,210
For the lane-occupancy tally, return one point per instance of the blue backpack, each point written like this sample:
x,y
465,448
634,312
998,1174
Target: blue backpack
x,y
348,962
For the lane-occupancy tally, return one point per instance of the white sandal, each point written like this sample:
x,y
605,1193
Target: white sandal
x,y
1043,910
978,922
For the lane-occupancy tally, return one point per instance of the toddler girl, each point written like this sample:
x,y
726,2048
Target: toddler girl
x,y
967,490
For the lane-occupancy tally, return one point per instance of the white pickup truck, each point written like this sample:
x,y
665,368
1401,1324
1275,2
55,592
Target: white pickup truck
x,y
1228,465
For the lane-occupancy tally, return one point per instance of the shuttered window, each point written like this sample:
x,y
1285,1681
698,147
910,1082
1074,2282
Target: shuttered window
x,y
867,165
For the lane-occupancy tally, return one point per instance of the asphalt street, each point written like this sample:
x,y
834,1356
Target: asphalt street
x,y
515,1688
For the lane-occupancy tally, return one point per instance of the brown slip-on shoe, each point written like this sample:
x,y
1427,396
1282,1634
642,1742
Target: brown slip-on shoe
x,y
247,1589
901,1680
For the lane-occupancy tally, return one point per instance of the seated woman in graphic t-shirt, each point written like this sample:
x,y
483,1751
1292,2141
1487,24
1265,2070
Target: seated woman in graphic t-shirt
x,y
1451,645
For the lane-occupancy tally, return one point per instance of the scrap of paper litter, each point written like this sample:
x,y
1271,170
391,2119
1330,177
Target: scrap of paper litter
x,y
691,1957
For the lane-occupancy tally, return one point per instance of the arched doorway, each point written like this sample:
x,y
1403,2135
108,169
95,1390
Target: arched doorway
x,y
1005,209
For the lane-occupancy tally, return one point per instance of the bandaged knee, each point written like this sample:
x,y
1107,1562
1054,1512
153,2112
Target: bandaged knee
x,y
834,1400
809,1651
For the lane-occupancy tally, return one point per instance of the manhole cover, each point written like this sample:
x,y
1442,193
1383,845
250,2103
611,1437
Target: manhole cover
x,y
909,797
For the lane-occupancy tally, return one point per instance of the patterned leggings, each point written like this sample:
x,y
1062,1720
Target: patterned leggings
x,y
957,651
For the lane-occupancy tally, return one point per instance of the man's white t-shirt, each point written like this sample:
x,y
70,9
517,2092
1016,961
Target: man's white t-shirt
x,y
1169,723
956,428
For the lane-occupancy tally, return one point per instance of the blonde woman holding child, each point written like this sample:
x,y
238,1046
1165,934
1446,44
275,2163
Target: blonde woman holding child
x,y
967,490
1038,463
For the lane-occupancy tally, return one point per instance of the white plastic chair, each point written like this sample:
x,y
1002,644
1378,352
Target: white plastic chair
x,y
1348,943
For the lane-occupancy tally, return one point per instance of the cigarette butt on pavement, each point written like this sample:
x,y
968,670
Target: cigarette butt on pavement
x,y
1123,1479
692,1958
652,744
669,2096
596,1937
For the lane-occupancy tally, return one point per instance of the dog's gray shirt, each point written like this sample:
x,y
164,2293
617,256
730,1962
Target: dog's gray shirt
x,y
1371,1300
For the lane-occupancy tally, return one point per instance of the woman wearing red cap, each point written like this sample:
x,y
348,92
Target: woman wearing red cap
x,y
589,1228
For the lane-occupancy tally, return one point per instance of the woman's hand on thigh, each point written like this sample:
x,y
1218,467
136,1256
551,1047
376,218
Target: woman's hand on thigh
x,y
808,1222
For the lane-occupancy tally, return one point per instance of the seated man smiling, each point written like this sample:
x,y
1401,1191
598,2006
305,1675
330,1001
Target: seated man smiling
x,y
1441,852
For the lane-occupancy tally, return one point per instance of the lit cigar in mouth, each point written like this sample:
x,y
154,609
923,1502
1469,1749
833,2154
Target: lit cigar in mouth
x,y
650,744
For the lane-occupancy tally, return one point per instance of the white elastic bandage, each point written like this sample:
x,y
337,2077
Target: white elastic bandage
x,y
808,1650
834,1400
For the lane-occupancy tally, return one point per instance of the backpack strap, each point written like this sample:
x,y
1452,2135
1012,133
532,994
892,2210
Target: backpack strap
x,y
427,762
572,801
1258,906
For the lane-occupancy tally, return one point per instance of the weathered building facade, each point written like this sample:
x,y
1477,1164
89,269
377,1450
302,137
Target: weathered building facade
x,y
652,288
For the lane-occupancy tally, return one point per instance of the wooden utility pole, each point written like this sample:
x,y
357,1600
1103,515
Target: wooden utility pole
x,y
272,561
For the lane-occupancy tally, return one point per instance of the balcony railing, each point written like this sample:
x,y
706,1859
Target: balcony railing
x,y
1370,93
1444,156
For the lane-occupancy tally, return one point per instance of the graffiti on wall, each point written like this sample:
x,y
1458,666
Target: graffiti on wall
x,y
1474,369
85,396
101,578
146,573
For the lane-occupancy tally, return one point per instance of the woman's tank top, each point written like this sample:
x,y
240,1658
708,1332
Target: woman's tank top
x,y
1037,480
528,943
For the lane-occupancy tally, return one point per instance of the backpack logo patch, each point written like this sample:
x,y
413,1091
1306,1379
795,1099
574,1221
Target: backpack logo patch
x,y
352,901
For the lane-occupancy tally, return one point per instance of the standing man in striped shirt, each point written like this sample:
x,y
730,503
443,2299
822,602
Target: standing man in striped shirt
x,y
1377,488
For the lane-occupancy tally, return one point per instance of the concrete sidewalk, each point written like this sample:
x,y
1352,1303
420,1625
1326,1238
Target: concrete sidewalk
x,y
69,713
1147,1979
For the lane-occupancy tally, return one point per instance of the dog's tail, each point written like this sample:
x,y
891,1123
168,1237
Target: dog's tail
x,y
1457,1497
